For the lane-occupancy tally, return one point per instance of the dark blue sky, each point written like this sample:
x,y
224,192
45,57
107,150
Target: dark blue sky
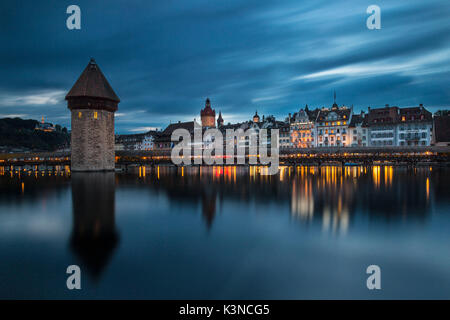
x,y
163,58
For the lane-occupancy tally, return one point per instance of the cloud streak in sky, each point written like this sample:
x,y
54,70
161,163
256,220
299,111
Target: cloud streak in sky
x,y
32,99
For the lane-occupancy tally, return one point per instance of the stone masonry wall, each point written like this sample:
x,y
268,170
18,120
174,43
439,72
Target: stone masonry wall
x,y
92,140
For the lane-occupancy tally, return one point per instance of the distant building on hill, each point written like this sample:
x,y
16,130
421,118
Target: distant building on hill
x,y
45,126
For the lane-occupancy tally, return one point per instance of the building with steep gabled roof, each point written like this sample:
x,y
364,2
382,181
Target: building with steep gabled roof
x,y
358,130
383,126
163,140
415,126
332,126
302,128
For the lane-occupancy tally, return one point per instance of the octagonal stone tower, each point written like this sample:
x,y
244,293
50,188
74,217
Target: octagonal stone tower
x,y
92,103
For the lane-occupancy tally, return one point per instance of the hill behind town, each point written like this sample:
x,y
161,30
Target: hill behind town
x,y
21,135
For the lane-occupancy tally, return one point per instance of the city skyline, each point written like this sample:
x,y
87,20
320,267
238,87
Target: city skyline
x,y
244,56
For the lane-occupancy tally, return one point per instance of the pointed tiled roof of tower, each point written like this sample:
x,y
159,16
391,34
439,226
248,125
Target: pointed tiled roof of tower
x,y
92,83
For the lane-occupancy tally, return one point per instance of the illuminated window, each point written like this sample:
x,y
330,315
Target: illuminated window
x,y
338,123
95,115
403,118
79,115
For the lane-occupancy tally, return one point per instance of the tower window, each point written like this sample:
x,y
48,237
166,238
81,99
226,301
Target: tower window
x,y
95,115
79,115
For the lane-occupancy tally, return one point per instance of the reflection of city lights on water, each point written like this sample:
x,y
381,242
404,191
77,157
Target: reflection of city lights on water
x,y
376,176
302,201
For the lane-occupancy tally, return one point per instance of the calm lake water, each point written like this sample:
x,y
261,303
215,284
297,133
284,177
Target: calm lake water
x,y
227,233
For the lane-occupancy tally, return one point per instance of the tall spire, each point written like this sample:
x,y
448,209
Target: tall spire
x,y
220,119
335,106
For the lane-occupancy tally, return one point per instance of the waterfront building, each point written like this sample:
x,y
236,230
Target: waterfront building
x,y
208,115
332,126
358,130
243,141
162,141
136,142
415,127
92,103
220,120
383,126
270,123
267,123
441,128
394,126
302,128
285,135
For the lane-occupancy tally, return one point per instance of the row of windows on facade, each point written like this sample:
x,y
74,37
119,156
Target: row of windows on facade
x,y
413,143
332,138
335,123
413,127
403,119
331,131
311,133
311,139
338,143
402,135
402,143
